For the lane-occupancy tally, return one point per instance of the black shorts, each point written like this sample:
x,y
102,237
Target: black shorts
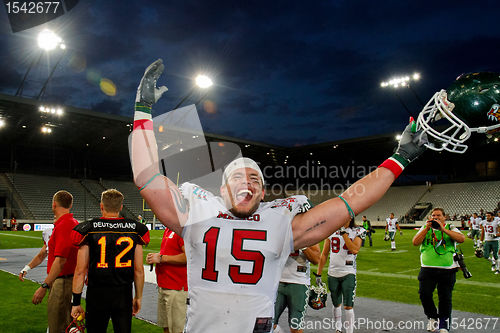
x,y
109,302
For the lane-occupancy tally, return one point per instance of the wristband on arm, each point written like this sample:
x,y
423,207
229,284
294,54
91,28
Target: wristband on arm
x,y
396,164
142,117
349,209
77,298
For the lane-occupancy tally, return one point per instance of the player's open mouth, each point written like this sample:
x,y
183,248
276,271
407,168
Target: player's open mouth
x,y
244,195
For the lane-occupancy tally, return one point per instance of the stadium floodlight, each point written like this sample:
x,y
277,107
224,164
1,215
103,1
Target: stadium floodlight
x,y
49,40
50,109
46,130
400,81
398,137
2,122
203,81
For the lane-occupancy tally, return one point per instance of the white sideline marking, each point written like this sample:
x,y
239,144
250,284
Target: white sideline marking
x,y
408,270
390,251
414,277
1,233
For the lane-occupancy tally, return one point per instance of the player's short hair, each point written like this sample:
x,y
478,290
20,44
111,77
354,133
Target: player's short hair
x,y
491,213
63,198
440,209
352,223
112,200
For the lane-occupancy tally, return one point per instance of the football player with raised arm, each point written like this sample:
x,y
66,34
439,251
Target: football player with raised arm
x,y
236,245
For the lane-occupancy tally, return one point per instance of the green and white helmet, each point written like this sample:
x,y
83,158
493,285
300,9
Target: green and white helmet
x,y
470,104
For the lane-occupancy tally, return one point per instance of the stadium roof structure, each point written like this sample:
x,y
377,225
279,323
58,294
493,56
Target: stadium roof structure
x,y
86,143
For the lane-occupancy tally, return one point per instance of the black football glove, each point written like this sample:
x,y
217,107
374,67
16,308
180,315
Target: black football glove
x,y
147,92
412,143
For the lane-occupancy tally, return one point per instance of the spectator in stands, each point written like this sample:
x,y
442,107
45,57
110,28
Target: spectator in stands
x,y
60,266
437,247
171,277
40,257
368,227
110,254
141,219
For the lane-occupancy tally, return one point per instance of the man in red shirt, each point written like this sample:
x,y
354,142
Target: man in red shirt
x,y
171,277
60,266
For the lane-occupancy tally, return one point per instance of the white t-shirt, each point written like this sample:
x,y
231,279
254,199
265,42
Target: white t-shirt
x,y
391,224
234,265
342,261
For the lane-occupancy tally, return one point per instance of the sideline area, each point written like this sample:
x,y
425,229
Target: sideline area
x,y
371,315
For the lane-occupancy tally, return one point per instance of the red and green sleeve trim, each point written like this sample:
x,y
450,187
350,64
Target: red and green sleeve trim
x,y
396,164
142,117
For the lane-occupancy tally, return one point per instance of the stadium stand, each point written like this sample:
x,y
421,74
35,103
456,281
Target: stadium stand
x,y
464,198
37,191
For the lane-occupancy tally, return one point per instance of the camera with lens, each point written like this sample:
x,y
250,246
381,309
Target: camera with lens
x,y
435,225
459,258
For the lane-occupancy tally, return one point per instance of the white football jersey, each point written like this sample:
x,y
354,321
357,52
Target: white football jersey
x,y
490,230
475,223
297,269
234,265
391,224
342,261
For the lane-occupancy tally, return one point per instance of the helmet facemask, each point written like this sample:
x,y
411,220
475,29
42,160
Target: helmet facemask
x,y
438,114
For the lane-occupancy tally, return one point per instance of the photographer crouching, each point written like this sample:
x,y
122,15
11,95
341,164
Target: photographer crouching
x,y
437,242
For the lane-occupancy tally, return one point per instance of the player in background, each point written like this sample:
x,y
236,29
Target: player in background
x,y
110,254
40,256
236,245
489,237
343,247
475,228
368,228
390,229
293,290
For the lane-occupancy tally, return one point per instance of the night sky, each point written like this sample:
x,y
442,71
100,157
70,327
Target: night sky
x,y
285,72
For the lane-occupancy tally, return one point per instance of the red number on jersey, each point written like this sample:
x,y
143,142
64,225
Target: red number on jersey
x,y
335,242
211,237
239,235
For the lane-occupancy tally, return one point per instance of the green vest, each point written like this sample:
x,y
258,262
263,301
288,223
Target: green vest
x,y
366,225
444,256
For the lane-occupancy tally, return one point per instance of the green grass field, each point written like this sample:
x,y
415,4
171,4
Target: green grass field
x,y
392,276
382,274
